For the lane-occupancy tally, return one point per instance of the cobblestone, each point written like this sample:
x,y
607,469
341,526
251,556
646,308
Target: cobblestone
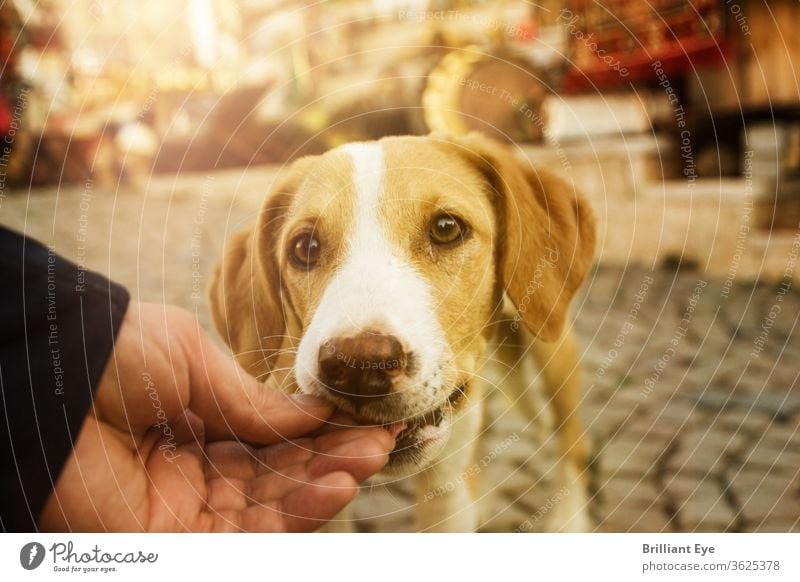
x,y
705,509
769,456
754,421
760,507
784,435
631,453
628,490
625,518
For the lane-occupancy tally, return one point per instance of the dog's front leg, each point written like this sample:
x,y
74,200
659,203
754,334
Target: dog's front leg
x,y
445,491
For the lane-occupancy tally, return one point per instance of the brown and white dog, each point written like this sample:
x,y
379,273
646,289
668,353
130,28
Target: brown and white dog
x,y
378,272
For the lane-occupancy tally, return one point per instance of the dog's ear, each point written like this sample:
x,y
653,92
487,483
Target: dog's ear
x,y
245,290
546,234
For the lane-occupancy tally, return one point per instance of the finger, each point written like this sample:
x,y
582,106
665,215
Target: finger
x,y
305,509
332,439
225,521
225,494
361,457
233,403
271,487
241,461
361,451
337,421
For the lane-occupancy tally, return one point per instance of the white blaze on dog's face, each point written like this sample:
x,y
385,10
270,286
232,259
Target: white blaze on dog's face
x,y
387,261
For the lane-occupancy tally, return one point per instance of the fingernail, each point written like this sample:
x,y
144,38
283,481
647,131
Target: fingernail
x,y
396,428
309,400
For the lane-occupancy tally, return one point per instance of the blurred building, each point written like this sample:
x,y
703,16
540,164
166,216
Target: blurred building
x,y
678,111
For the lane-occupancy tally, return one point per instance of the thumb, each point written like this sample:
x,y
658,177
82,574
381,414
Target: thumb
x,y
234,404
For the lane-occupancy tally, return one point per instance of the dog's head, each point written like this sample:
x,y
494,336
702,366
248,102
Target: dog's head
x,y
375,269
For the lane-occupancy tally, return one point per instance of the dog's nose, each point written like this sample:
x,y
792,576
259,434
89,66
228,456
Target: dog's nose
x,y
361,368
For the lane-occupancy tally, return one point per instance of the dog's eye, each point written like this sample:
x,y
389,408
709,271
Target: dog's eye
x,y
447,229
304,250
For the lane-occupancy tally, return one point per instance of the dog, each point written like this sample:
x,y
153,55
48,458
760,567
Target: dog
x,y
377,275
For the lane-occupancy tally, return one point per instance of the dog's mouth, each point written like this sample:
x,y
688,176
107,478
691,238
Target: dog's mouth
x,y
421,429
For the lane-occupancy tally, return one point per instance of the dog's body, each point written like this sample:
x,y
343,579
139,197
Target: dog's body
x,y
378,272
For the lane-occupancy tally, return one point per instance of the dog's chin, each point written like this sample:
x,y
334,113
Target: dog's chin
x,y
422,439
419,442
415,449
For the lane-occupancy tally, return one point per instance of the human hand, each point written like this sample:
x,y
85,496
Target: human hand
x,y
156,451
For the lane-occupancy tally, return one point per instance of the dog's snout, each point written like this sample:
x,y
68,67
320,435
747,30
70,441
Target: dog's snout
x,y
361,368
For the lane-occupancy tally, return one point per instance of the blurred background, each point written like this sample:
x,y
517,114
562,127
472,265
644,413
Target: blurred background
x,y
136,136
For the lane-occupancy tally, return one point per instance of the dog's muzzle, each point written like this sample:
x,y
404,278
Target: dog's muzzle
x,y
362,373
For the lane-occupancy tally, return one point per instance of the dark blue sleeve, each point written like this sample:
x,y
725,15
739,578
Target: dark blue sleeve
x,y
57,329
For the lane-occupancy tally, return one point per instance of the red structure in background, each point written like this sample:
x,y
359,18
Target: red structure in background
x,y
10,42
623,35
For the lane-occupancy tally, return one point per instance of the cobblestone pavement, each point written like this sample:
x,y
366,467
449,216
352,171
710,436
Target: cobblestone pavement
x,y
695,418
692,399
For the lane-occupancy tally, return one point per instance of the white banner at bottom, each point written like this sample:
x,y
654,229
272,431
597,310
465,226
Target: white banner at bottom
x,y
390,557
